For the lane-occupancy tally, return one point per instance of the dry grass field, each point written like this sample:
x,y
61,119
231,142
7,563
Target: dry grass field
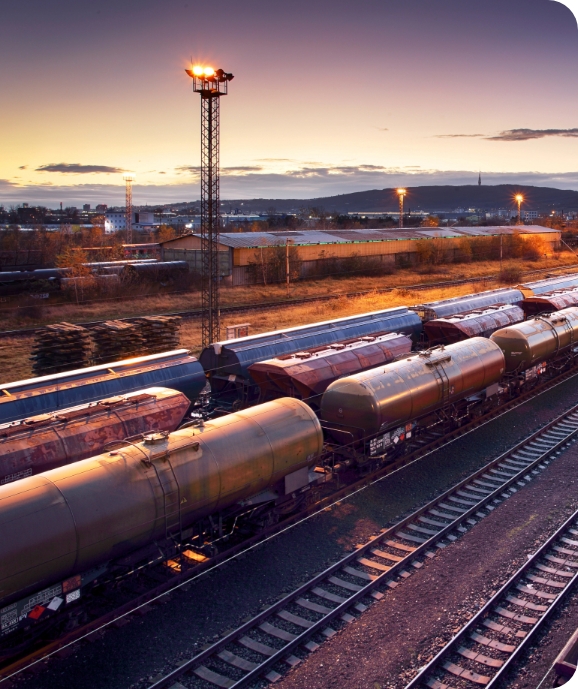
x,y
14,352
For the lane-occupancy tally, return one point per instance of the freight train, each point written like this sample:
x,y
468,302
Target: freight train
x,y
68,529
48,280
71,528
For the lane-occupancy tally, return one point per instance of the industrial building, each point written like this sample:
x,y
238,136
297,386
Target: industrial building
x,y
241,253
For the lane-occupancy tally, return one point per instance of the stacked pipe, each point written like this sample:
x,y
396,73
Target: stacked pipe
x,y
159,333
115,340
60,347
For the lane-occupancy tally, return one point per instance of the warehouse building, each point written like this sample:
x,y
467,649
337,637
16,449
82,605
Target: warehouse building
x,y
249,257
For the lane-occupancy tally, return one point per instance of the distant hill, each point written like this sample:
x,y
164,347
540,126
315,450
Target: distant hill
x,y
432,198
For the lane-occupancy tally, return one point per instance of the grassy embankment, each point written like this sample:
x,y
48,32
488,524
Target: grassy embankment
x,y
14,352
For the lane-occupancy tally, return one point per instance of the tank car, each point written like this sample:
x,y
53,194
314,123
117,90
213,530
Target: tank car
x,y
307,374
380,408
177,370
227,363
539,342
63,529
44,442
550,301
478,323
450,307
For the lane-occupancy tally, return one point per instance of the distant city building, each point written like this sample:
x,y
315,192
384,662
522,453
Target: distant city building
x,y
86,207
116,220
530,215
101,208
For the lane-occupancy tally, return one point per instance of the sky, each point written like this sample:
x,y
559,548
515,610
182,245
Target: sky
x,y
329,96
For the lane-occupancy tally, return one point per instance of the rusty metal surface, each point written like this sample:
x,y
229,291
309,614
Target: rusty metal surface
x,y
375,400
478,323
539,339
66,521
307,374
45,442
550,301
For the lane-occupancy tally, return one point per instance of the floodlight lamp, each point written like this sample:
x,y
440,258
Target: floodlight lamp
x,y
198,71
519,198
208,72
401,192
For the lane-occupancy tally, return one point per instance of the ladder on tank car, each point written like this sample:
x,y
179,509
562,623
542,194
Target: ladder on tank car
x,y
171,497
442,377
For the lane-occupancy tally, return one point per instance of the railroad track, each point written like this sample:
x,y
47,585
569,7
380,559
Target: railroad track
x,y
486,648
172,579
196,313
281,636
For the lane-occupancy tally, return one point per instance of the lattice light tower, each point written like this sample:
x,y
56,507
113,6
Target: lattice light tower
x,y
128,207
211,85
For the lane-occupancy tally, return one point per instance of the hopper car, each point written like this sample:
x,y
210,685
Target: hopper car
x,y
177,370
227,363
478,323
549,284
307,374
65,530
47,441
445,308
550,301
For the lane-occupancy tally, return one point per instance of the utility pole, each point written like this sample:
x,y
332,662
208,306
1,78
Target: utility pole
x,y
287,271
211,85
128,207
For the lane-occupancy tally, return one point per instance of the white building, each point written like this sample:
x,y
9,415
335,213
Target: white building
x,y
116,220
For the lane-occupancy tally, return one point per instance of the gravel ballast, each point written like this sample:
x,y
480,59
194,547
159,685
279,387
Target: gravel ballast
x,y
388,644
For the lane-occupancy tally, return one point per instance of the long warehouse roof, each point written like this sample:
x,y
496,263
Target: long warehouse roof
x,y
248,240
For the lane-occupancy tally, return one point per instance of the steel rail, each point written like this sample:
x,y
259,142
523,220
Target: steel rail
x,y
494,604
466,499
196,313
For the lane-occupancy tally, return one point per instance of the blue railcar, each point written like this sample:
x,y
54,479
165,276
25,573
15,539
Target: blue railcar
x,y
227,362
550,284
450,307
177,370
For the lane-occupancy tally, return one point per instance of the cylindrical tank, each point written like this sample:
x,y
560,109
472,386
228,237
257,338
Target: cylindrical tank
x,y
538,339
68,520
384,397
45,442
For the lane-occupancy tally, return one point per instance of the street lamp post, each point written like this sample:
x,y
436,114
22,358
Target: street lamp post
x,y
519,200
401,193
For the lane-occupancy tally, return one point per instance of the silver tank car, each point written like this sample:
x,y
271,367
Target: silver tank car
x,y
537,340
62,522
381,398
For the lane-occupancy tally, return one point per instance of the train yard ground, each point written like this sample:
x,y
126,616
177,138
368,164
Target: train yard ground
x,y
15,351
135,654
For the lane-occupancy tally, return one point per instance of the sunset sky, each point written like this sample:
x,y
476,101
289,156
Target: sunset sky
x,y
329,96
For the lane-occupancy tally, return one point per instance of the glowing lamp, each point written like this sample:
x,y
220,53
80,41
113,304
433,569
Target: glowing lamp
x,y
209,72
198,71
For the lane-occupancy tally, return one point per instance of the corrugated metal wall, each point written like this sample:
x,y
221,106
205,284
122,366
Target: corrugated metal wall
x,y
194,258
